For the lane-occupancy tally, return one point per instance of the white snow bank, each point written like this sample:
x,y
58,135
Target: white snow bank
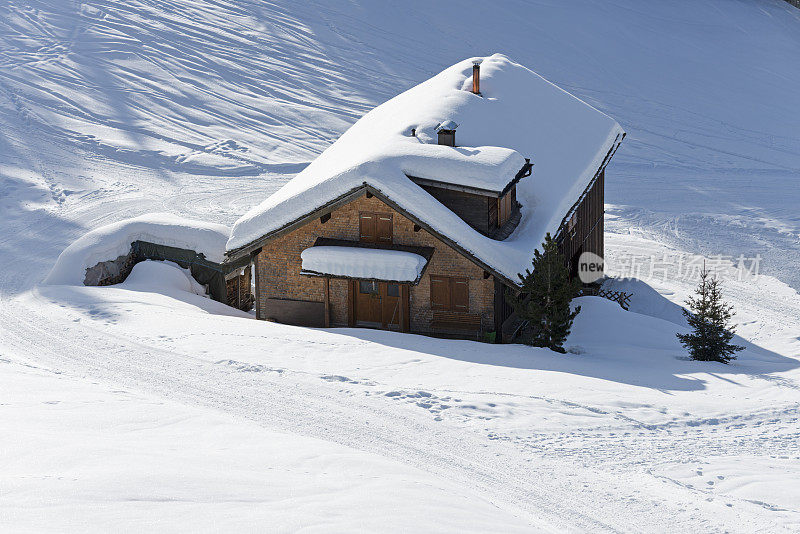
x,y
161,277
114,240
566,139
367,263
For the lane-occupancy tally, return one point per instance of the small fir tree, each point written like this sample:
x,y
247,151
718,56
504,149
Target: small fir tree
x,y
709,318
545,297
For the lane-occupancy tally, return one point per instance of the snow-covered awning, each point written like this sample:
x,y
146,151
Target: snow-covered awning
x,y
363,263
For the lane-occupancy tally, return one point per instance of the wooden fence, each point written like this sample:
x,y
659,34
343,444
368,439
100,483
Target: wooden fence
x,y
620,297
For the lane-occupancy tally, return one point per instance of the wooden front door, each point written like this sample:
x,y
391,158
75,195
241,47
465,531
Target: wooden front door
x,y
380,304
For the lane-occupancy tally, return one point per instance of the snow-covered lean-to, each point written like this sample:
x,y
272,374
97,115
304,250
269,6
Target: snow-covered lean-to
x,y
153,162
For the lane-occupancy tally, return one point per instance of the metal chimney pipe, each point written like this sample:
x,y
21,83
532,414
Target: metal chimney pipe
x,y
476,78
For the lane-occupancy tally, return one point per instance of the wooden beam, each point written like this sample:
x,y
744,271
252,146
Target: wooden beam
x,y
259,311
403,302
351,303
327,302
454,187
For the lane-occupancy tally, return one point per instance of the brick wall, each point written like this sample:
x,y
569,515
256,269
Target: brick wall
x,y
279,266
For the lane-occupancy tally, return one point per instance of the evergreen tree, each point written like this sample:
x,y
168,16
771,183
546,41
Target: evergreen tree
x,y
545,297
709,318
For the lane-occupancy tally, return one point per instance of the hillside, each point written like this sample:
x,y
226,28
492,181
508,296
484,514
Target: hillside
x,y
112,109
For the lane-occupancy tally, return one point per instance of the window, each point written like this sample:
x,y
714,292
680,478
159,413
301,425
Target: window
x,y
505,206
367,287
393,290
448,293
375,227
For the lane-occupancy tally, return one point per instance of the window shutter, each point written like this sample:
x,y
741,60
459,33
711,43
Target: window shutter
x,y
440,293
384,227
504,204
366,226
460,293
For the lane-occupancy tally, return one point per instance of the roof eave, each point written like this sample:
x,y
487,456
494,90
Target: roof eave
x,y
603,165
522,173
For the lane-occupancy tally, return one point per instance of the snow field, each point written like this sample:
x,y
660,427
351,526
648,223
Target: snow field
x,y
92,458
623,405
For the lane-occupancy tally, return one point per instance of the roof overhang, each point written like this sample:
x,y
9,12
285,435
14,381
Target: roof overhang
x,y
429,182
610,154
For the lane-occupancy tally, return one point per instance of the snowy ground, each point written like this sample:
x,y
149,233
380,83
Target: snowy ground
x,y
109,110
90,457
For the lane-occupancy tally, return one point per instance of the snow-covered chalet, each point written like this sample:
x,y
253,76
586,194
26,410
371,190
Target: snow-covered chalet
x,y
423,213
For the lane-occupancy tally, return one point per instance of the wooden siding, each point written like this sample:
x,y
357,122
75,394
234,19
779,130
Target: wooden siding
x,y
473,209
586,235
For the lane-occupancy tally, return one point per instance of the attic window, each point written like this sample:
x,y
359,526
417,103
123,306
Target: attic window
x,y
375,227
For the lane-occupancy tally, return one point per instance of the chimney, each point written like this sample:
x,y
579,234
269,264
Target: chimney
x,y
476,78
447,133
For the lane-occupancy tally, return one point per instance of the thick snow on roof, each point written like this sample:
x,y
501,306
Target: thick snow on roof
x,y
366,263
113,240
519,110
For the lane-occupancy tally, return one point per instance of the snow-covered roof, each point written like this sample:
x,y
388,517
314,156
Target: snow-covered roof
x,y
113,240
363,263
519,114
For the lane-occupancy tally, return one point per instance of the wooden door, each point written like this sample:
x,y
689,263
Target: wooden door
x,y
380,304
368,302
390,308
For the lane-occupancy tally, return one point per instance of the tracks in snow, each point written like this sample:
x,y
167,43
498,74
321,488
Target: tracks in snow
x,y
554,480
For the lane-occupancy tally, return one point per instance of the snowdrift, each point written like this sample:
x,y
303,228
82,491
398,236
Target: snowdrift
x,y
163,277
114,240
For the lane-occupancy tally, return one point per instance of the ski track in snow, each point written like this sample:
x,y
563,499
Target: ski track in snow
x,y
109,110
549,476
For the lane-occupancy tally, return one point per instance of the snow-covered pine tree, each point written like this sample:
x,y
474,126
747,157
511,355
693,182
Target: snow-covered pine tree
x,y
545,297
709,318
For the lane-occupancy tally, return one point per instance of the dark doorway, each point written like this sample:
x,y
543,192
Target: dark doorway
x,y
574,263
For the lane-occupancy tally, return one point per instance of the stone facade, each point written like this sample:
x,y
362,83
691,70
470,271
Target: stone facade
x,y
278,267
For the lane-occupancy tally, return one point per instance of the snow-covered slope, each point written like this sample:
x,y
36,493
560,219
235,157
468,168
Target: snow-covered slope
x,y
706,90
113,109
